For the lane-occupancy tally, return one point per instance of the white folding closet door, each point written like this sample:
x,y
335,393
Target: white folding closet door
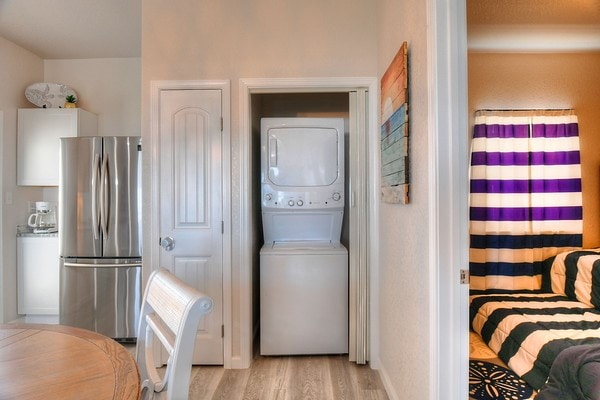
x,y
357,213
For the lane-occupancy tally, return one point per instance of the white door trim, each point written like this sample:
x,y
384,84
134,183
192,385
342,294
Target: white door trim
x,y
448,199
152,150
2,230
296,85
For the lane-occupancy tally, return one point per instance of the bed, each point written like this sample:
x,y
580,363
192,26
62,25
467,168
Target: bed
x,y
528,331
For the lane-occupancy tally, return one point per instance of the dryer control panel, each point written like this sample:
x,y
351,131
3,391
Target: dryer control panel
x,y
302,199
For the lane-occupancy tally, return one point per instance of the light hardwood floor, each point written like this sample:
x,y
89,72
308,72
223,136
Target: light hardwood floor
x,y
287,378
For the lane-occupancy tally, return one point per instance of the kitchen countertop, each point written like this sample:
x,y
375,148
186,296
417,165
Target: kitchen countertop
x,y
25,231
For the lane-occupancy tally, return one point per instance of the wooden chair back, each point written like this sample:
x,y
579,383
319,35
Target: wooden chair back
x,y
171,311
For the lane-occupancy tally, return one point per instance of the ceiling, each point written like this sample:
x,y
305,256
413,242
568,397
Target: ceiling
x,y
540,12
533,25
71,29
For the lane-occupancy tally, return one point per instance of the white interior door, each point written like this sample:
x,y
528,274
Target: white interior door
x,y
191,212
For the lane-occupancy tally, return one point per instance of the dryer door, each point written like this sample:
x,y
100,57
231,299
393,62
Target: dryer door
x,y
302,157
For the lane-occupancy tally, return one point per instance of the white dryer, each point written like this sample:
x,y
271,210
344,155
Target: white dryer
x,y
303,266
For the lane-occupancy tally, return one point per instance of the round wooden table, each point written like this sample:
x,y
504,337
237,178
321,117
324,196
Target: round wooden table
x,y
62,362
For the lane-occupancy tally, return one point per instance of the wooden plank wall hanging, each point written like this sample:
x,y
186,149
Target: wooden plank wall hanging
x,y
394,130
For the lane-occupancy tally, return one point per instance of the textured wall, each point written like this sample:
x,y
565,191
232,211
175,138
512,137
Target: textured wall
x,y
404,279
567,80
108,87
18,69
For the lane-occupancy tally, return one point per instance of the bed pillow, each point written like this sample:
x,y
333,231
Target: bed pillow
x,y
576,274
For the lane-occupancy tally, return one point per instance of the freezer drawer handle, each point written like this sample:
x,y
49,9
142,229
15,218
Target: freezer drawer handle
x,y
91,265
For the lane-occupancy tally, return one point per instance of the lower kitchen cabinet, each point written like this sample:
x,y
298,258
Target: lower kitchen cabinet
x,y
37,275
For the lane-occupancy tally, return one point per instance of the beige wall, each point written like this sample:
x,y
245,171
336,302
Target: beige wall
x,y
404,298
187,39
568,80
18,69
108,87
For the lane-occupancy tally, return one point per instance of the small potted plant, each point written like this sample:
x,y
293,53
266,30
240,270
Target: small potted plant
x,y
70,101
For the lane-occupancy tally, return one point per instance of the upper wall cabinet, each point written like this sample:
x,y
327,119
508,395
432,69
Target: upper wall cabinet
x,y
38,144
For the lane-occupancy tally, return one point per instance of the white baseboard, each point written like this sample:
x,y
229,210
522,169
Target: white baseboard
x,y
387,383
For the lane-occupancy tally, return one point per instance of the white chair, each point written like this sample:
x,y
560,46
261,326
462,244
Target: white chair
x,y
171,311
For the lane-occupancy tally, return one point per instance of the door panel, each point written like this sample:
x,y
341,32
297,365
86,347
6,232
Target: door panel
x,y
198,272
123,178
308,146
78,197
192,185
108,299
191,202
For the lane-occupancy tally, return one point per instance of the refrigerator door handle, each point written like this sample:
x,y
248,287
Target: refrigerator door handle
x,y
104,196
95,189
92,265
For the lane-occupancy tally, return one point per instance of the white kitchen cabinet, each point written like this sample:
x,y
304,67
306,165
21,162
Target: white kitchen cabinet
x,y
38,144
37,275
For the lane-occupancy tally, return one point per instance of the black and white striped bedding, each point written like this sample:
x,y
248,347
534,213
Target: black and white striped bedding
x,y
576,274
528,331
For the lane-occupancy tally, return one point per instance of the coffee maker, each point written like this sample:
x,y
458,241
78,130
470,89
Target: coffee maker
x,y
43,220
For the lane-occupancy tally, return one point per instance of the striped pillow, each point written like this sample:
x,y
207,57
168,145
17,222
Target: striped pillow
x,y
576,274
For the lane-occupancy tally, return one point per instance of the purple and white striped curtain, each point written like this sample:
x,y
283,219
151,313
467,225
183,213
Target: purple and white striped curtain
x,y
525,196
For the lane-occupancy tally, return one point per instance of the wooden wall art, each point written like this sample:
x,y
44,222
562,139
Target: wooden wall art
x,y
394,130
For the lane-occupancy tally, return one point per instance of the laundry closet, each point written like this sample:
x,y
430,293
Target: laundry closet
x,y
301,230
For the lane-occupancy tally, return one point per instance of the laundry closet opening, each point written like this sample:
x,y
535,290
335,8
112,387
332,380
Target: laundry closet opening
x,y
331,106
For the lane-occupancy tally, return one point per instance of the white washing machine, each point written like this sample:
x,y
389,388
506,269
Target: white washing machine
x,y
304,298
303,266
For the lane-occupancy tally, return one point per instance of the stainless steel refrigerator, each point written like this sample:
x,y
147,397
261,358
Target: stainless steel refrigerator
x,y
100,241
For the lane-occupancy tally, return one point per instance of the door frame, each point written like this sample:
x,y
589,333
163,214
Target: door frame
x,y
2,230
448,199
152,149
247,87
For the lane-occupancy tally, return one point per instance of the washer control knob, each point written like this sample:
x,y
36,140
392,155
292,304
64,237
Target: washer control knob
x,y
336,196
268,196
291,203
299,203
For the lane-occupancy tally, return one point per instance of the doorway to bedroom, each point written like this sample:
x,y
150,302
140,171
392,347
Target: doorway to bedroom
x,y
517,70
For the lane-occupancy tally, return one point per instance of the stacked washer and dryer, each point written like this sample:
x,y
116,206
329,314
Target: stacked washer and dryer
x,y
303,265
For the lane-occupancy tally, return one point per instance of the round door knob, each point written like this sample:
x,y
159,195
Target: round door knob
x,y
167,243
299,203
336,196
291,203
